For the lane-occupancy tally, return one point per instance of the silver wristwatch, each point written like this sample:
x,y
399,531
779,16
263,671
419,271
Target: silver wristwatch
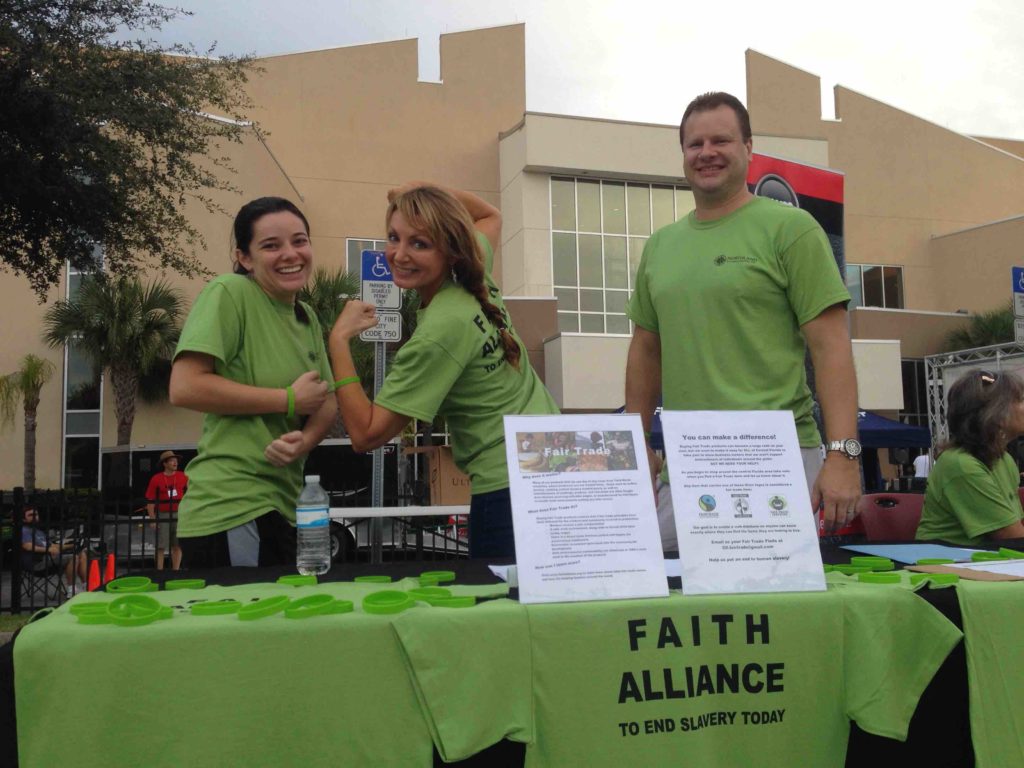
x,y
850,447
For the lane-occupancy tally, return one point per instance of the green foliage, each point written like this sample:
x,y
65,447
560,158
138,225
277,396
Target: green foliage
x,y
23,385
125,327
983,330
105,141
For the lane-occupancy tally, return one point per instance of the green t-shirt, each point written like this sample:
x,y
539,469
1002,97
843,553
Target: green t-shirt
x,y
218,691
454,366
993,627
727,298
720,680
966,500
258,341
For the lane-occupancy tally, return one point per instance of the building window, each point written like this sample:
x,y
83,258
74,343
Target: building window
x,y
598,231
872,285
83,397
354,248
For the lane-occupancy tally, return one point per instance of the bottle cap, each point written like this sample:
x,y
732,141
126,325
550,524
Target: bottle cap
x,y
312,478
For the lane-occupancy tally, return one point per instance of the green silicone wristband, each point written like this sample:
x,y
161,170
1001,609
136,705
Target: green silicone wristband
x,y
291,401
934,578
935,561
1011,554
347,380
878,578
874,562
463,601
438,575
376,578
263,608
850,570
132,584
429,594
305,607
185,584
133,610
387,601
216,608
981,557
340,606
298,580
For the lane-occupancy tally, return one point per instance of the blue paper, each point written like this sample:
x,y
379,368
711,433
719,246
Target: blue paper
x,y
911,553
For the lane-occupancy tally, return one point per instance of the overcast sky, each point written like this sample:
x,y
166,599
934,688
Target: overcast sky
x,y
958,64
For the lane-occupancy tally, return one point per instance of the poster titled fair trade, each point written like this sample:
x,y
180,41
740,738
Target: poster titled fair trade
x,y
583,508
742,509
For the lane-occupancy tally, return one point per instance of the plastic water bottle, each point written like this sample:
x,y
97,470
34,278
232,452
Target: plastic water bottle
x,y
313,554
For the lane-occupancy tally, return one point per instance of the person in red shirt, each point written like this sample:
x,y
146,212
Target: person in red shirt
x,y
163,496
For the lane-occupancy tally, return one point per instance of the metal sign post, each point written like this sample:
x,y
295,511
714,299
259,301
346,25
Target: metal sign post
x,y
379,289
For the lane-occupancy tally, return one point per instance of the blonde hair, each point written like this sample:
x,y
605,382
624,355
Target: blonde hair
x,y
450,226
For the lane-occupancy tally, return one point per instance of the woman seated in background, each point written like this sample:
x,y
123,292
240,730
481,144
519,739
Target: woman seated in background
x,y
464,361
972,489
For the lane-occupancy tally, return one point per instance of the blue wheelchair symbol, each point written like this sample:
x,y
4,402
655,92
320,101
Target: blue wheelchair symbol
x,y
375,266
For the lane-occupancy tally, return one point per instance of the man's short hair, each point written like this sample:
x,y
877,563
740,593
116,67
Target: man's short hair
x,y
713,100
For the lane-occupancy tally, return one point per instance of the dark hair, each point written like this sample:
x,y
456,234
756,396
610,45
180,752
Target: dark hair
x,y
249,214
978,405
451,228
713,100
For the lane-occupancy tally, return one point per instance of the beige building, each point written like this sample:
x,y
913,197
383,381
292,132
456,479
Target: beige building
x,y
934,219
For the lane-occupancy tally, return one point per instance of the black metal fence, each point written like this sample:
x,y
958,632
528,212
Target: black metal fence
x,y
82,536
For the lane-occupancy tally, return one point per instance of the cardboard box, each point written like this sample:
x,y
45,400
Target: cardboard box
x,y
448,484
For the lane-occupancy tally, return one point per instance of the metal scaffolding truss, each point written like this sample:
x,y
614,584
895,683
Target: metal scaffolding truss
x,y
940,370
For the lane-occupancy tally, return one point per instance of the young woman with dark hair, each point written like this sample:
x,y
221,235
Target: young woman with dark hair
x,y
252,358
972,489
464,362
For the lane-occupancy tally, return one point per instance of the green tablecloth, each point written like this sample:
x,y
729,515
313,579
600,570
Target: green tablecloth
x,y
360,689
766,680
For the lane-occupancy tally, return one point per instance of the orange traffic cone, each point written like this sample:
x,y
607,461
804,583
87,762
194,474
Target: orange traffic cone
x,y
94,575
109,574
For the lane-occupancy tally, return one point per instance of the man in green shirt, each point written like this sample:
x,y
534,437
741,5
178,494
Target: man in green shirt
x,y
725,301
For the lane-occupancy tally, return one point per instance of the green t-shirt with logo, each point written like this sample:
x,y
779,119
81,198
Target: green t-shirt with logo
x,y
258,341
769,680
993,627
966,499
727,298
454,366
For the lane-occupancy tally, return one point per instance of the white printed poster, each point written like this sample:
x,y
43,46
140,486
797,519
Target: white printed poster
x,y
742,510
583,508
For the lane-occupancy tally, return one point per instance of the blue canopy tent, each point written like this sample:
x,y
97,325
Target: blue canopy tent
x,y
879,432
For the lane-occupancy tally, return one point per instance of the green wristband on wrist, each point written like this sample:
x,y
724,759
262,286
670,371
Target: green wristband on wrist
x,y
291,401
347,380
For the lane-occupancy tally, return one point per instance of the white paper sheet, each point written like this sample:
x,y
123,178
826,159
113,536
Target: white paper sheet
x,y
742,510
583,508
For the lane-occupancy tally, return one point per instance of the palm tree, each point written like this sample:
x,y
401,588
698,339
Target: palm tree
x,y
24,386
125,327
983,330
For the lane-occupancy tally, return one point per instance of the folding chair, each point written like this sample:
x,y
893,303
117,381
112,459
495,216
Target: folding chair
x,y
41,585
890,516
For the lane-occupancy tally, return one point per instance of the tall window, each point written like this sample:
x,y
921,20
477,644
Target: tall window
x,y
354,253
873,285
598,231
83,395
